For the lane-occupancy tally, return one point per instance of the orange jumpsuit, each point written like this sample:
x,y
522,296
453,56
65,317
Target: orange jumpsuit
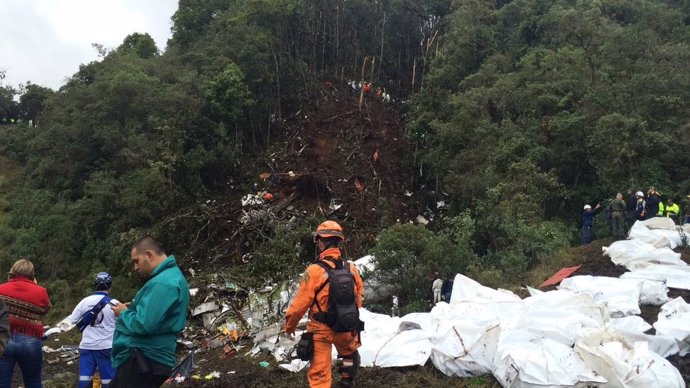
x,y
319,374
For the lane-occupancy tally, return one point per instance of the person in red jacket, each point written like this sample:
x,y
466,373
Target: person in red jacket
x,y
28,304
313,295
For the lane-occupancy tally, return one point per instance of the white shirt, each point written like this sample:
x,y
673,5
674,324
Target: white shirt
x,y
437,285
100,335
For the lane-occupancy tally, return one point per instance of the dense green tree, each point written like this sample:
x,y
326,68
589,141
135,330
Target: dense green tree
x,y
33,101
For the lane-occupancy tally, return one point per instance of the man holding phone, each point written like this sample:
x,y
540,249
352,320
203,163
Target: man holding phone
x,y
146,332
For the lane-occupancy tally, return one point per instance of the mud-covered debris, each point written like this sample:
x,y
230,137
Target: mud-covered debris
x,y
422,220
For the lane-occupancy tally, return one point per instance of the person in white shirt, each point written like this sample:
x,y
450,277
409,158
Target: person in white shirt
x,y
436,287
97,336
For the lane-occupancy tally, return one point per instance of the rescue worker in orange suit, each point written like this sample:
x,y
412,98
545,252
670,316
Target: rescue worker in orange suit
x,y
313,294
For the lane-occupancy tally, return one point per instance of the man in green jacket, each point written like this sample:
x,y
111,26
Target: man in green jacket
x,y
146,333
617,209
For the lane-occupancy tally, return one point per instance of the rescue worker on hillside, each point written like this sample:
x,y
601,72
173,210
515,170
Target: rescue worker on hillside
x,y
587,221
653,200
617,210
630,204
314,295
672,210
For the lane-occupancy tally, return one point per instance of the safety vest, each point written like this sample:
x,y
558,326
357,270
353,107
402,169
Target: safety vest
x,y
661,209
673,210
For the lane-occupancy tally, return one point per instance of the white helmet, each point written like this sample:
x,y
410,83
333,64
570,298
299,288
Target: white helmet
x,y
639,194
587,207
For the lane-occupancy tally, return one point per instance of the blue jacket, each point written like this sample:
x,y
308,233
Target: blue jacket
x,y
155,317
653,205
588,217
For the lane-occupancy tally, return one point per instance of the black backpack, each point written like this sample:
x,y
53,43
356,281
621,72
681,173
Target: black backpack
x,y
342,315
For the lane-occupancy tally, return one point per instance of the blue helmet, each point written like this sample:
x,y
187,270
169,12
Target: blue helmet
x,y
103,281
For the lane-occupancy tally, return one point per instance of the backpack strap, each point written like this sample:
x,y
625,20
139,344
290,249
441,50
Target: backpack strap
x,y
321,316
92,313
328,269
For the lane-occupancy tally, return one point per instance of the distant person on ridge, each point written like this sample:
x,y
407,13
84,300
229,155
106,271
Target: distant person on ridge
x,y
146,333
587,221
617,208
331,290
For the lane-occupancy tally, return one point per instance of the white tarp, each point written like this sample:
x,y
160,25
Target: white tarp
x,y
384,345
624,364
658,237
524,343
674,276
561,338
674,321
634,254
622,296
464,344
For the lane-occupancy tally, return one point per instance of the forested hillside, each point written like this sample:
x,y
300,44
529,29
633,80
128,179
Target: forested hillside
x,y
513,113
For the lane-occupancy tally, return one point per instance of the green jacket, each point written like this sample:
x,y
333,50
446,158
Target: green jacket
x,y
155,317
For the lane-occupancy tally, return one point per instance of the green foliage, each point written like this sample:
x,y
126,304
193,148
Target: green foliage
x,y
407,256
281,252
33,101
227,94
533,108
8,107
141,45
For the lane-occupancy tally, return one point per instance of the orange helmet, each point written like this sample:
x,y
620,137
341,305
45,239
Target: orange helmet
x,y
329,229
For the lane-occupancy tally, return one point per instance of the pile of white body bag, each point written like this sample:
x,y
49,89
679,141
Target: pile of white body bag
x,y
584,334
561,338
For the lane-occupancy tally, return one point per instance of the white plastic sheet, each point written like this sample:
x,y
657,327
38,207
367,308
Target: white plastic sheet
x,y
674,276
624,364
383,345
622,296
674,321
464,345
634,254
671,238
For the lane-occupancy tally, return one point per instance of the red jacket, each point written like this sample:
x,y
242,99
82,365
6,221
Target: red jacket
x,y
27,303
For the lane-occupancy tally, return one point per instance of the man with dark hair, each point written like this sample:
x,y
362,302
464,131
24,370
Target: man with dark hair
x,y
146,333
97,335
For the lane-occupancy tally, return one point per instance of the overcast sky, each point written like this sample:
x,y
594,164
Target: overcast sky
x,y
45,41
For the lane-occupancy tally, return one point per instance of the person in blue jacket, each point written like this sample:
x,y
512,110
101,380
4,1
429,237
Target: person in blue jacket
x,y
653,199
587,220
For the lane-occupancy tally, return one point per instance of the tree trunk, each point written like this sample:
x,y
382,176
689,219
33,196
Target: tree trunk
x,y
383,26
361,90
414,72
